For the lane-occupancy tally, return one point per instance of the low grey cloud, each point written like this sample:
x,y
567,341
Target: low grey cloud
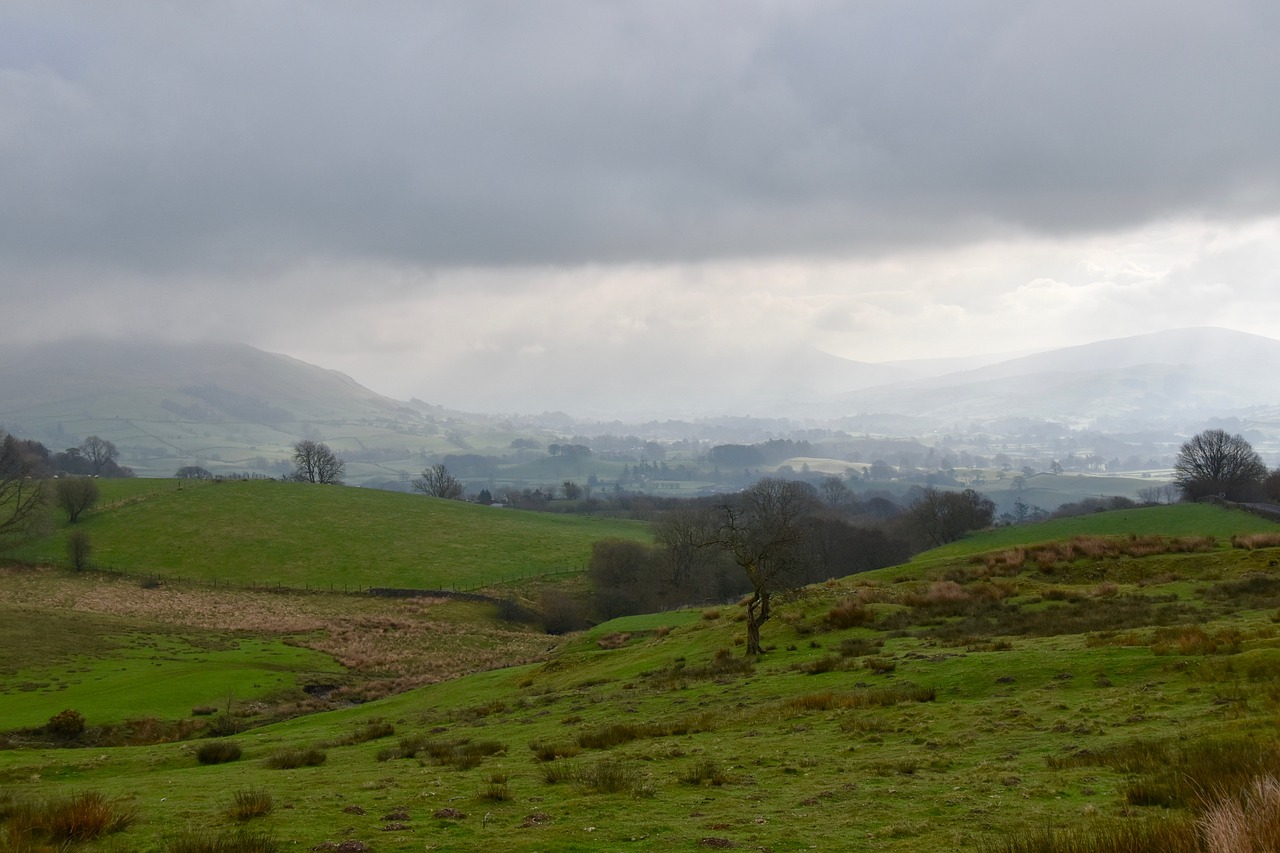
x,y
242,166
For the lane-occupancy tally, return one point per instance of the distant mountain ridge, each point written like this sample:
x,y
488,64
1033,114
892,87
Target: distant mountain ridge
x,y
1175,376
231,406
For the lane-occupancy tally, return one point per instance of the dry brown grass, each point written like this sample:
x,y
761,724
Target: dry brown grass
x,y
1050,555
1255,540
389,644
1250,821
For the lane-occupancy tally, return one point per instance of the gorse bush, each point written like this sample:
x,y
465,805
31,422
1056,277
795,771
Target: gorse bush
x,y
68,724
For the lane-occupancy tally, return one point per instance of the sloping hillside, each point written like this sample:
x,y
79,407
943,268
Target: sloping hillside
x,y
1104,686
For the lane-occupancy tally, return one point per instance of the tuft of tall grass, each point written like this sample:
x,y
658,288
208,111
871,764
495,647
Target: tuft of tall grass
x,y
1246,822
1172,835
1252,541
704,772
217,752
497,789
850,612
291,758
64,821
240,841
250,804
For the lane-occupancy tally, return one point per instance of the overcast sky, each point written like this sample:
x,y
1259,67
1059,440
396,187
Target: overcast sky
x,y
441,199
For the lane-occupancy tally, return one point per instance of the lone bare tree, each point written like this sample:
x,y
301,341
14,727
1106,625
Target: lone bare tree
x,y
23,496
314,462
75,495
765,531
98,452
1215,463
437,482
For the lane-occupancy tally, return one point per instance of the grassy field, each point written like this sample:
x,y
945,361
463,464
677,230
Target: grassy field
x,y
965,707
261,532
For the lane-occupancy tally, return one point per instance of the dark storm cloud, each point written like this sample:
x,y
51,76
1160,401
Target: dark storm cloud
x,y
237,136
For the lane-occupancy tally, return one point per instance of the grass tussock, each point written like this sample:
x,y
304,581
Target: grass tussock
x,y
606,776
240,841
463,754
365,732
723,665
1194,640
620,733
548,751
250,804
218,752
496,788
704,772
291,758
850,612
881,697
1253,541
1146,836
1050,556
62,822
1246,822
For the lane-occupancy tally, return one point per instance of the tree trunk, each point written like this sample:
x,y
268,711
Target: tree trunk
x,y
757,615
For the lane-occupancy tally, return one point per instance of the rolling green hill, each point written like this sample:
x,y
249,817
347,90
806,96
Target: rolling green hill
x,y
955,704
302,535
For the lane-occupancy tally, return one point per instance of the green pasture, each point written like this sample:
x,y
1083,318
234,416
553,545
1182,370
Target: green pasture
x,y
302,535
807,748
112,671
1172,520
942,719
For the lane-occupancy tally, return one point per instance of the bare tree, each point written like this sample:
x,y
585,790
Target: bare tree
x,y
939,517
23,496
315,462
437,482
98,452
1215,463
75,495
764,531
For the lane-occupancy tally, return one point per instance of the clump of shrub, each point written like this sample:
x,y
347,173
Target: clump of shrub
x,y
217,752
247,805
66,725
291,758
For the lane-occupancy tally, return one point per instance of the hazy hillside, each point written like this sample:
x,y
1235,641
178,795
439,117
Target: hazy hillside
x,y
1177,378
233,408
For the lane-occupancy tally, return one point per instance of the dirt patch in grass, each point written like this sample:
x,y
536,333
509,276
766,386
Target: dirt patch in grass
x,y
388,645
